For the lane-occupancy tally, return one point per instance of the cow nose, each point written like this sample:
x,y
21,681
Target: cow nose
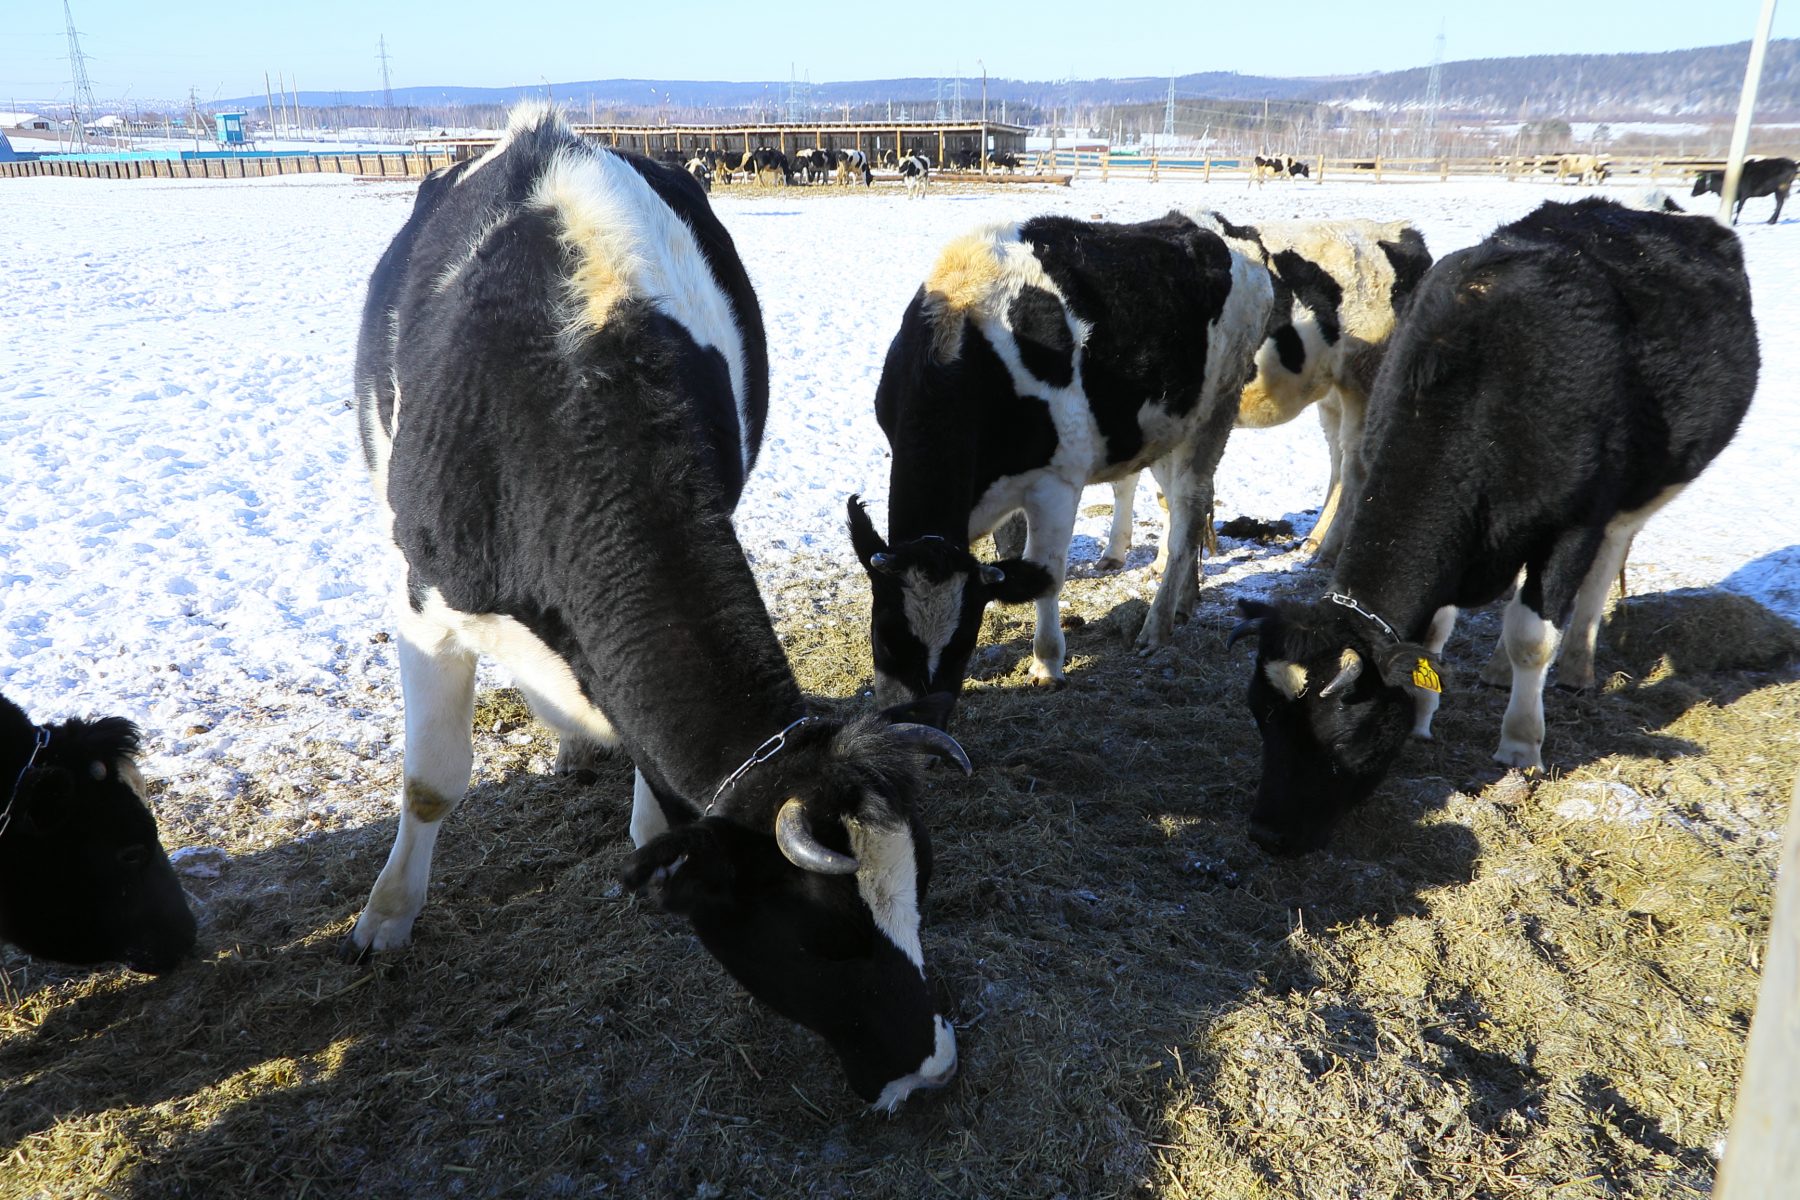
x,y
1275,841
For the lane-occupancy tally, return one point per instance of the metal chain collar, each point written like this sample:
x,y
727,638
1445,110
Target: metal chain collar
x,y
1344,601
39,741
761,754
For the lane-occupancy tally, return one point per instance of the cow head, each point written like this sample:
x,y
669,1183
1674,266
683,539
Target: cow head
x,y
805,880
928,595
1332,697
83,878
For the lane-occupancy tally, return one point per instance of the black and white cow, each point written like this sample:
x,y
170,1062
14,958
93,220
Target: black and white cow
x,y
766,166
1037,358
1760,177
1549,390
696,166
83,876
1002,160
1340,286
915,171
812,165
853,165
562,382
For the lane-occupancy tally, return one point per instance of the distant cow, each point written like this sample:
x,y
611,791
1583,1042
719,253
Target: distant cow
x,y
562,381
1038,358
1760,177
915,170
766,166
1549,390
1004,160
696,166
1264,167
812,165
1339,289
1582,168
851,166
83,876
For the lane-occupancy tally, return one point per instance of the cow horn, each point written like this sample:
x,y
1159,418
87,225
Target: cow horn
x,y
1244,629
934,742
884,563
1350,666
800,847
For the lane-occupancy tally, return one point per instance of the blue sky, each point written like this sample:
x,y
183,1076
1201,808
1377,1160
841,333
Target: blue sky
x,y
145,52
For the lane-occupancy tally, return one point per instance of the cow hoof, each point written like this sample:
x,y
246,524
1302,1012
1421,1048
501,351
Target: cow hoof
x,y
349,951
1054,683
1518,754
1109,563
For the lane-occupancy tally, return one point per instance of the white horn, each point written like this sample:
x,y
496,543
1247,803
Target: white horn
x,y
1350,666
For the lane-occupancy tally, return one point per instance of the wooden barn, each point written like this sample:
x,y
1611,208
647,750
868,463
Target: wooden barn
x,y
941,141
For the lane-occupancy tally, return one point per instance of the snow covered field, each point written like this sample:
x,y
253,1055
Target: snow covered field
x,y
187,538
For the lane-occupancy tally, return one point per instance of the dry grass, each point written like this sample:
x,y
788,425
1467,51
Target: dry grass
x,y
1487,987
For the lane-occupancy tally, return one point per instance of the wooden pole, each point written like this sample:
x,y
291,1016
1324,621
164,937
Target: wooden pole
x,y
1762,1153
1740,133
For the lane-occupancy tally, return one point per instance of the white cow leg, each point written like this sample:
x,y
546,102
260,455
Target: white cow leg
x,y
438,681
1352,474
1118,540
1331,414
647,819
1190,506
1530,645
1425,701
1575,665
1049,524
1159,472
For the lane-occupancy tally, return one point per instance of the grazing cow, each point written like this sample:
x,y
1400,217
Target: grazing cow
x,y
1297,169
1548,391
562,381
1004,160
1582,168
915,170
1760,177
853,165
1340,286
696,166
767,166
813,165
1036,359
83,877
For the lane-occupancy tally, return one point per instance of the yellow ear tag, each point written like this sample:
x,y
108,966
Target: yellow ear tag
x,y
1424,677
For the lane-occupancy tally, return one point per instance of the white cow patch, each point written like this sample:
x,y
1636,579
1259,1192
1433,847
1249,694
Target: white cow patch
x,y
935,1071
887,878
932,613
631,245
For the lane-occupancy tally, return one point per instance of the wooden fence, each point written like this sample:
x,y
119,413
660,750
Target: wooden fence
x,y
413,164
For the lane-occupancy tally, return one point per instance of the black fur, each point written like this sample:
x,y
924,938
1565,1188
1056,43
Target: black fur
x,y
1760,177
83,876
1571,367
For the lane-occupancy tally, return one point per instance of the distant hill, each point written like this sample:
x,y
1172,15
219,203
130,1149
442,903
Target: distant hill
x,y
1704,82
1701,82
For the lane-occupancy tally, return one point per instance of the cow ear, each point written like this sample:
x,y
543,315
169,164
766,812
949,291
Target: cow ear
x,y
1413,667
863,537
1018,581
684,870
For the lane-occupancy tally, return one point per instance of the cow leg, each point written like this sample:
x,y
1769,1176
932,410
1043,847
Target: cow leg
x,y
1342,415
1159,472
1331,417
1575,664
577,753
1190,505
1118,540
1425,701
1781,195
1049,525
1530,645
437,679
648,821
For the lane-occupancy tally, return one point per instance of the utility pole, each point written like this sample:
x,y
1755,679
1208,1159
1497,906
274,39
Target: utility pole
x,y
1740,132
1433,91
269,104
82,89
387,88
1169,113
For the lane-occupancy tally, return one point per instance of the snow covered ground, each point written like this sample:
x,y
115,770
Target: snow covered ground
x,y
187,538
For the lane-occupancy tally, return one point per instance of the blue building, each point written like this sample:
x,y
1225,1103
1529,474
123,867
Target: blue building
x,y
229,128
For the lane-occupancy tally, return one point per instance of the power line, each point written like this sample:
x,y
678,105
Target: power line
x,y
83,88
387,89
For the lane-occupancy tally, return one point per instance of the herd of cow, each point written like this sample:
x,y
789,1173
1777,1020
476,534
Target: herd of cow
x,y
771,167
562,380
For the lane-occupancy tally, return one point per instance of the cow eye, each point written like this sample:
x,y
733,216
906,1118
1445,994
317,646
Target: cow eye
x,y
134,856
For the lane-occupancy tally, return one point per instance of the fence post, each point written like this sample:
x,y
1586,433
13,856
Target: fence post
x,y
1378,168
1444,171
1206,176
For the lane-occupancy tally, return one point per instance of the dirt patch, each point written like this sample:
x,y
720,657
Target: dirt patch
x,y
1487,986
